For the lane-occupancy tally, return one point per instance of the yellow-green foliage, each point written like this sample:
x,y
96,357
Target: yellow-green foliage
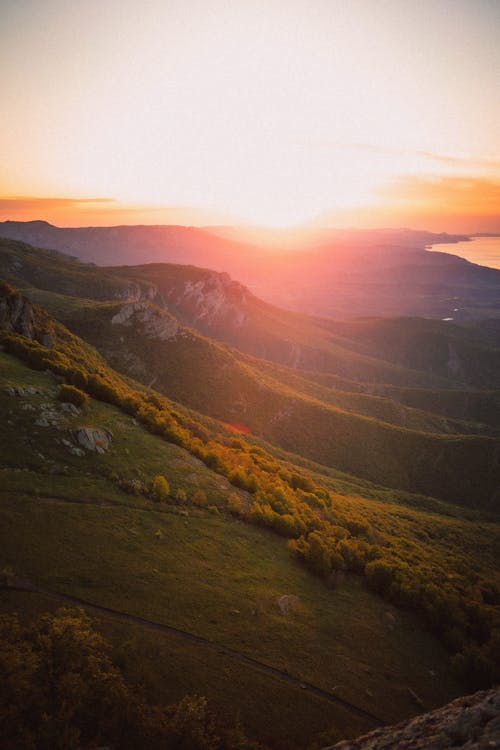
x,y
418,568
180,495
72,395
160,488
60,688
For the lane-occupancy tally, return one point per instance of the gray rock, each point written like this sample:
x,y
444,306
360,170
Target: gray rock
x,y
471,722
27,407
287,603
152,321
71,408
93,439
17,315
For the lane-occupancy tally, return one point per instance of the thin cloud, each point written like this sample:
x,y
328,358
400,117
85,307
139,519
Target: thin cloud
x,y
453,194
27,203
471,162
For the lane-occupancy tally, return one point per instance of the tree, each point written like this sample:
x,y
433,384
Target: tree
x,y
160,488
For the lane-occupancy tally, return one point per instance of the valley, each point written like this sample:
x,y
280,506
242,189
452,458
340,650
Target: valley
x,y
335,557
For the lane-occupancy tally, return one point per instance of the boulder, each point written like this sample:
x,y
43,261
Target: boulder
x,y
93,439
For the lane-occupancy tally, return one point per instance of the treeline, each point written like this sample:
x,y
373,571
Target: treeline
x,y
463,610
61,689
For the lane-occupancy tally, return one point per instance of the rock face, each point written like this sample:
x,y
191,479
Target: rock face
x,y
17,315
207,301
93,439
471,723
153,322
135,292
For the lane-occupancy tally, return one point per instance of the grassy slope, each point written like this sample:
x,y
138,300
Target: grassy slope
x,y
111,554
270,332
403,341
209,378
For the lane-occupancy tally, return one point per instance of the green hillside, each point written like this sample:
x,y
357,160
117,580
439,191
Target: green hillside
x,y
163,488
274,404
67,527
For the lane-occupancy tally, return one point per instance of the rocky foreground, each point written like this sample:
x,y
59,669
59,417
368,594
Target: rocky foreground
x,y
471,723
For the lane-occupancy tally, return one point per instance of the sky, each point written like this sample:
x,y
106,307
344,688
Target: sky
x,y
265,112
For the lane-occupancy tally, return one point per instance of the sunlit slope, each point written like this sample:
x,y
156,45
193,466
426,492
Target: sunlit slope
x,y
338,274
146,343
402,352
420,559
67,527
368,437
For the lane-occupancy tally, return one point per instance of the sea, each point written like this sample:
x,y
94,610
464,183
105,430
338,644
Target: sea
x,y
482,250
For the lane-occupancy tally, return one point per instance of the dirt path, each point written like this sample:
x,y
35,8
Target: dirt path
x,y
97,609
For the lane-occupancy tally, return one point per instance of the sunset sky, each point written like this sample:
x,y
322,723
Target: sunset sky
x,y
271,112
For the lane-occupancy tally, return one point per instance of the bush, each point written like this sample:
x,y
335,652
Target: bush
x,y
160,489
234,504
199,498
68,394
180,495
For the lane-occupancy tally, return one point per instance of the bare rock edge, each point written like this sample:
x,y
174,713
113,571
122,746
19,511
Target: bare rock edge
x,y
471,722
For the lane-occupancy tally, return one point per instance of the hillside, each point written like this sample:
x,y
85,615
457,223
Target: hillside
x,y
335,274
471,722
57,504
413,553
367,436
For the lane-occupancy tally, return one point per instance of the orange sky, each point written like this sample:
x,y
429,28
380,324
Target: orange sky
x,y
272,112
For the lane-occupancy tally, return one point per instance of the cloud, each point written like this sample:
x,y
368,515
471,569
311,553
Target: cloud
x,y
467,162
28,203
472,162
447,193
464,205
101,212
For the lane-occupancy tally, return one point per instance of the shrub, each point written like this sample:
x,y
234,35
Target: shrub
x,y
69,394
160,489
199,498
180,495
234,504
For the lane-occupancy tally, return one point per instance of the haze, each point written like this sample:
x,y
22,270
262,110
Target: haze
x,y
276,113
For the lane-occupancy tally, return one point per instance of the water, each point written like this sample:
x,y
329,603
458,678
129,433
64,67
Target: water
x,y
482,250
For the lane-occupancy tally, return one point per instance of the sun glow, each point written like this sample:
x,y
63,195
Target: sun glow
x,y
270,113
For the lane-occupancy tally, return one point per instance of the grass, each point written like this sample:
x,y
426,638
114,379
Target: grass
x,y
328,428
208,574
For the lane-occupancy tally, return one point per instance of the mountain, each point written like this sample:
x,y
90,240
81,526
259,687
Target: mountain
x,y
333,274
364,436
278,540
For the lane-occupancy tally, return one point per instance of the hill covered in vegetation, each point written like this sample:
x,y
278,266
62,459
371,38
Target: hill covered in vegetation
x,y
349,589
332,273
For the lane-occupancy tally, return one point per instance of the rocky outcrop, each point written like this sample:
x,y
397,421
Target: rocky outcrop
x,y
153,322
471,723
17,314
93,439
134,292
213,300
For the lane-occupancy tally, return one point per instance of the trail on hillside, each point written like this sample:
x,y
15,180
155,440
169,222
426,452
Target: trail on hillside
x,y
98,609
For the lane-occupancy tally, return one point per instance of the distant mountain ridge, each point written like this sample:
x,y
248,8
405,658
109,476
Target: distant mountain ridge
x,y
338,274
151,323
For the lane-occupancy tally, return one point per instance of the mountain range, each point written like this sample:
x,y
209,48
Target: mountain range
x,y
370,443
332,273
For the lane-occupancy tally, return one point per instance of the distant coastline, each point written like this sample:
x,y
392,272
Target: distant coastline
x,y
483,249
